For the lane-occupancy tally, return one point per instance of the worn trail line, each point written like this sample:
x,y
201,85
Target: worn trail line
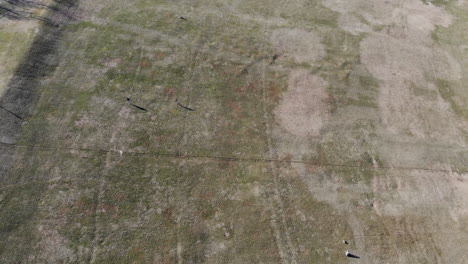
x,y
230,159
286,248
98,197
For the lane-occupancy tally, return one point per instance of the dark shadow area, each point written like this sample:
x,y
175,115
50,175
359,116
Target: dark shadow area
x,y
21,93
349,255
17,104
8,111
6,158
134,105
25,10
275,57
139,107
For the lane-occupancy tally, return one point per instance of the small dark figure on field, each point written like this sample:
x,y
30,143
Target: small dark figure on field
x,y
183,18
345,242
275,57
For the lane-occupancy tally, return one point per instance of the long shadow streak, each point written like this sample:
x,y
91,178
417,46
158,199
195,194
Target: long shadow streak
x,y
352,256
20,98
17,116
139,107
183,106
134,105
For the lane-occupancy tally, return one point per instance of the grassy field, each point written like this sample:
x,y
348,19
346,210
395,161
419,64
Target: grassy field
x,y
314,122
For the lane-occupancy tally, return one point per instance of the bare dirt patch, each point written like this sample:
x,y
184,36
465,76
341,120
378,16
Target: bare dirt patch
x,y
401,65
353,24
389,58
404,63
303,109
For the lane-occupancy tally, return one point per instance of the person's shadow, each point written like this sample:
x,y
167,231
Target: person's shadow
x,y
349,255
132,104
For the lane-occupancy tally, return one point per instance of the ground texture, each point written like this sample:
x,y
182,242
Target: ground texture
x,y
314,122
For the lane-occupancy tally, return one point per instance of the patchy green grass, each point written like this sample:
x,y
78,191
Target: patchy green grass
x,y
450,38
13,47
447,92
437,2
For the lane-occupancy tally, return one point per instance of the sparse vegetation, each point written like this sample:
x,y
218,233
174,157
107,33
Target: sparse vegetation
x,y
86,178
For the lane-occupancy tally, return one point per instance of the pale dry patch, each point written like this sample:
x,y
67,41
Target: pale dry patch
x,y
400,65
16,26
392,59
215,248
435,200
112,63
460,183
403,56
416,18
52,246
352,24
90,8
303,109
421,193
297,44
86,121
330,188
102,104
420,19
